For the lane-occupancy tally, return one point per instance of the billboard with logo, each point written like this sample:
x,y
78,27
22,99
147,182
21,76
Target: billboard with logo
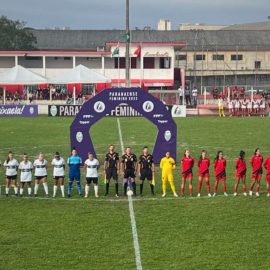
x,y
18,110
142,102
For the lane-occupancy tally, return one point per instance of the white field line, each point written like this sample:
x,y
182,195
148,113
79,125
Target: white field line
x,y
131,213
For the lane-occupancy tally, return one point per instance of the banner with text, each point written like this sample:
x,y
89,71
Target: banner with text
x,y
18,110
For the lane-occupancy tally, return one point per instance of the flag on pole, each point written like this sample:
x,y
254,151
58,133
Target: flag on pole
x,y
137,52
127,37
115,52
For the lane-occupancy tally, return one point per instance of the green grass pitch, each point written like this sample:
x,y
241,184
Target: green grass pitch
x,y
174,233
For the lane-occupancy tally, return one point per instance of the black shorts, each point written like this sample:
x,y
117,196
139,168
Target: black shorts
x,y
11,177
91,179
111,173
40,177
58,177
146,174
129,173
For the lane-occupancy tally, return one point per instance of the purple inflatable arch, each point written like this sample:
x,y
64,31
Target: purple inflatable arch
x,y
144,103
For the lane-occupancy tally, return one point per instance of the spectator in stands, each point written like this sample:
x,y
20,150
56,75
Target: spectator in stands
x,y
181,94
237,106
244,105
187,96
235,92
262,107
242,92
249,107
230,106
215,93
194,96
30,96
228,92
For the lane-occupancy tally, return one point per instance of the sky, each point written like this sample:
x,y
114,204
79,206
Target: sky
x,y
102,14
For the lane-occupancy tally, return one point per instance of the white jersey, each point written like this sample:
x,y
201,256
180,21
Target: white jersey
x,y
249,105
40,167
262,106
26,171
256,105
237,104
244,105
92,167
230,105
11,167
58,167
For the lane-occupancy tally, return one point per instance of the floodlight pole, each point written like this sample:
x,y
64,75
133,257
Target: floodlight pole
x,y
127,45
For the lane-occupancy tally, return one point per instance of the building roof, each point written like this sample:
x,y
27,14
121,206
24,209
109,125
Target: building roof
x,y
249,26
211,40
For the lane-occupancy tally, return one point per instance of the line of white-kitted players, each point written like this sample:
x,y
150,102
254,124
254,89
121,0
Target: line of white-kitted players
x,y
40,165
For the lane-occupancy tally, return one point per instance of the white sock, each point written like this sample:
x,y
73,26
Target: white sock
x,y
63,190
29,191
15,190
96,190
87,188
45,185
36,188
54,190
21,191
7,190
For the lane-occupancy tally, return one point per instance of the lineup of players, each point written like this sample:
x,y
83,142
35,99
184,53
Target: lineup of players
x,y
128,166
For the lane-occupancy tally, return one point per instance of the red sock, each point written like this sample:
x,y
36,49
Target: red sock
x,y
199,186
190,189
268,190
257,188
224,187
244,189
215,187
208,186
183,189
252,186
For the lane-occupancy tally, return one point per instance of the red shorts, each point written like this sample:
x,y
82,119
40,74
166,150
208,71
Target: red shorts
x,y
187,176
240,176
221,178
257,177
204,175
268,178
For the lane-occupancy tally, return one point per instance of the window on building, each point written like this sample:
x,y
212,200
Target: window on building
x,y
149,62
181,57
218,57
257,64
236,57
165,62
67,58
200,57
33,58
122,62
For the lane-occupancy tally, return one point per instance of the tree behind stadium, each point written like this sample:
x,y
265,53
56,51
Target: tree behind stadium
x,y
14,35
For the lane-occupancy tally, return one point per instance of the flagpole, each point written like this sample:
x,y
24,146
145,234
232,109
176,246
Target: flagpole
x,y
141,67
127,46
118,65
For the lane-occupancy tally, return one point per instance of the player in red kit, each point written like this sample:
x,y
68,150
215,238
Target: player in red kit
x,y
257,170
187,163
220,173
267,167
240,174
203,173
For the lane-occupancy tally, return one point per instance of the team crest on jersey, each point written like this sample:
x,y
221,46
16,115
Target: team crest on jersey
x,y
79,137
53,110
148,106
167,135
99,106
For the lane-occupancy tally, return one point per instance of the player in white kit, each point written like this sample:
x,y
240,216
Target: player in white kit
x,y
26,168
58,164
40,165
92,166
11,165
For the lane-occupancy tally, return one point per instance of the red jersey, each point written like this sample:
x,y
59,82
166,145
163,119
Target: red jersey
x,y
241,166
203,165
220,167
187,165
267,165
256,163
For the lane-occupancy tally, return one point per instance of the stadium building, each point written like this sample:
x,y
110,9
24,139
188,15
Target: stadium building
x,y
209,58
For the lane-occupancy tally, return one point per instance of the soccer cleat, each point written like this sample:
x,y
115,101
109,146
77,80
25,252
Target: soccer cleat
x,y
245,194
116,196
235,194
106,194
225,194
175,194
199,195
268,194
257,194
85,196
163,195
209,195
250,193
214,194
96,196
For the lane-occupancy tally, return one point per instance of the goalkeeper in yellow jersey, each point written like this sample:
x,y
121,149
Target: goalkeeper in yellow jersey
x,y
167,165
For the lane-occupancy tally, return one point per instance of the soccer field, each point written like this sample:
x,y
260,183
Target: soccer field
x,y
173,233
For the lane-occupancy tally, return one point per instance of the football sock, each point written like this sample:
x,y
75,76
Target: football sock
x,y
190,189
252,186
208,186
7,190
96,190
163,186
183,188
257,188
224,188
116,188
29,191
45,186
16,190
107,188
54,190
125,188
215,187
152,188
87,188
62,187
141,188
36,189
244,188
134,188
172,186
79,188
199,186
69,187
21,191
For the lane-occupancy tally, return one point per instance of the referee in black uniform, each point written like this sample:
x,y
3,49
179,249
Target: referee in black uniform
x,y
111,169
146,169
